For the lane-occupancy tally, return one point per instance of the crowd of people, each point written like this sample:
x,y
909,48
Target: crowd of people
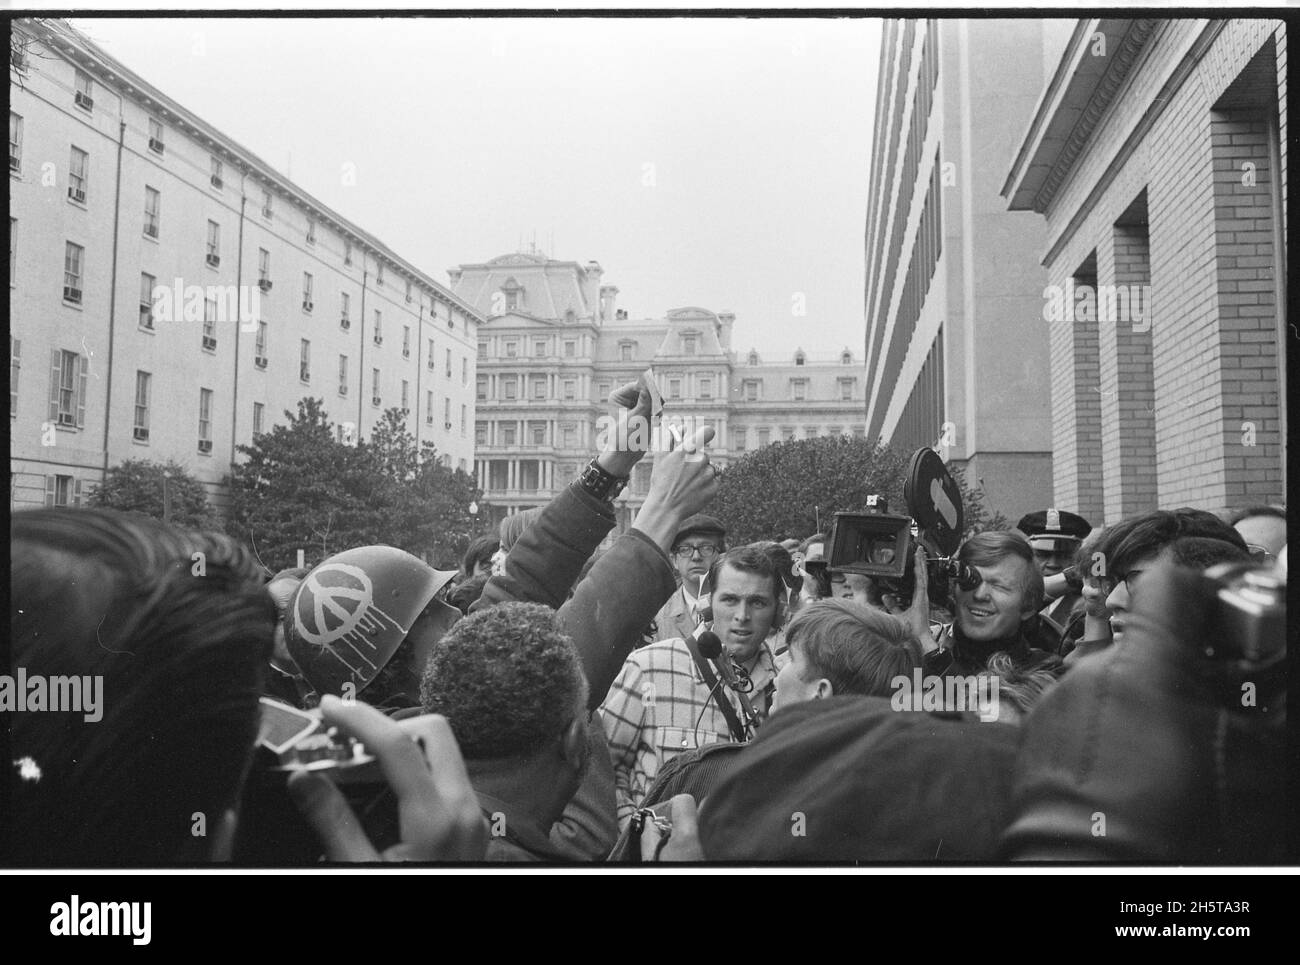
x,y
667,697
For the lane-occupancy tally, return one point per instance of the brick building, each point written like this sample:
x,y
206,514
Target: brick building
x,y
1157,157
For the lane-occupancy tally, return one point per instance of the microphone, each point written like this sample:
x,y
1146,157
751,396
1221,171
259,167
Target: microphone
x,y
710,645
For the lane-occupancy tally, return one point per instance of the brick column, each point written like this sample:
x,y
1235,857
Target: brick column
x,y
1127,393
1245,268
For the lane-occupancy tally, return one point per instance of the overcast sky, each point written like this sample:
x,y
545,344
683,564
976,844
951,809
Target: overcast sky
x,y
712,162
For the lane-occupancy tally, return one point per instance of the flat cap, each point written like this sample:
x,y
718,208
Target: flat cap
x,y
699,523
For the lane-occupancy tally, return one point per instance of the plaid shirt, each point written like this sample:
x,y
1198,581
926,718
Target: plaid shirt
x,y
659,706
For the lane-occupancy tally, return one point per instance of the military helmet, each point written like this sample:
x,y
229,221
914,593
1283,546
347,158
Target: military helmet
x,y
352,611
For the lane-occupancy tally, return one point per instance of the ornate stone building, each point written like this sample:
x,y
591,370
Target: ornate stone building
x,y
555,344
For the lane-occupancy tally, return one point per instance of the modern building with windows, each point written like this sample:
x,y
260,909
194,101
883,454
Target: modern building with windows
x,y
956,350
171,295
555,345
1156,157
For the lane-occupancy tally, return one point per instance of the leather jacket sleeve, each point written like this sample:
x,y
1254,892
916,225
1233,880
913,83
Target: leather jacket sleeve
x,y
614,604
547,558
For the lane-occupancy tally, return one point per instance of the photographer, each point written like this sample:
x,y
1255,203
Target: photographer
x,y
1000,614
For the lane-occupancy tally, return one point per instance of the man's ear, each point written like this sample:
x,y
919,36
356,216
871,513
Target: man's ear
x,y
573,743
825,689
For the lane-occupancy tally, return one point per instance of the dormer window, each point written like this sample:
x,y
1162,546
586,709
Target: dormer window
x,y
688,343
799,357
753,357
846,357
514,293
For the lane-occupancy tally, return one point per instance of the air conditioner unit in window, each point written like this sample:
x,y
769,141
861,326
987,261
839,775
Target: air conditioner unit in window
x,y
343,390
156,145
406,353
140,435
432,365
216,181
260,361
84,100
151,230
214,260
429,418
146,317
345,323
71,294
446,425
205,445
304,373
209,343
266,213
67,419
374,400
77,194
306,306
379,340
264,284
15,163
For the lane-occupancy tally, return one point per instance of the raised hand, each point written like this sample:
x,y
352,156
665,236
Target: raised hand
x,y
682,483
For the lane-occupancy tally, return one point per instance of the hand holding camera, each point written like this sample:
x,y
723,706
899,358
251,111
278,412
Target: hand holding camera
x,y
438,812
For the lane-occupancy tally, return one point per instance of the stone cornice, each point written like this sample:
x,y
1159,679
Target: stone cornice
x,y
1072,105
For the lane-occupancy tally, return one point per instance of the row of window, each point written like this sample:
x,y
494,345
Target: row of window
x,y
740,437
73,293
69,372
541,347
510,388
79,165
79,191
535,434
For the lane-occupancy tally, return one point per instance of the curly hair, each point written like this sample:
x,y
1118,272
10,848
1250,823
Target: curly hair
x,y
507,679
178,626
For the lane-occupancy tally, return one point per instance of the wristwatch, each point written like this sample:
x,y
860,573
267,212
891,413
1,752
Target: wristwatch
x,y
601,484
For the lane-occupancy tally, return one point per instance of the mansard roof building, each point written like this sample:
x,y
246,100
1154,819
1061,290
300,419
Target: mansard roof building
x,y
555,345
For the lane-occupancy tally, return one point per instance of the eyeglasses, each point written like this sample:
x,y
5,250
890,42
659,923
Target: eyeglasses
x,y
687,550
1106,584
